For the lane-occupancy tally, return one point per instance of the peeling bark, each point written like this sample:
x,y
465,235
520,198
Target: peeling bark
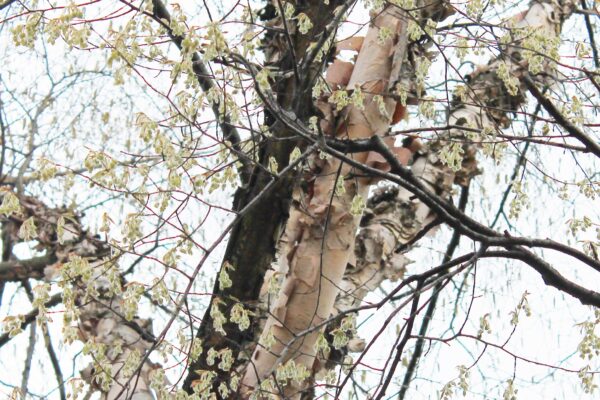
x,y
251,244
321,228
97,308
394,219
397,221
488,105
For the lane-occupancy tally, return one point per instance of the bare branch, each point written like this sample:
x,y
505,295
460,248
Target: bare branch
x,y
588,142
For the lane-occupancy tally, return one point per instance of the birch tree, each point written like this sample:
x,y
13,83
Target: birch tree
x,y
299,199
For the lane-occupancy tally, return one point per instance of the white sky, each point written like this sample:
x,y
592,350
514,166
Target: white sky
x,y
550,335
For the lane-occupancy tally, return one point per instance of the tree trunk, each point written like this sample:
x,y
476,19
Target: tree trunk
x,y
396,218
321,229
251,244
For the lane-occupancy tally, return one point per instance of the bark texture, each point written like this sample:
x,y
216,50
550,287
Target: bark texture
x,y
322,225
486,104
251,244
396,218
95,305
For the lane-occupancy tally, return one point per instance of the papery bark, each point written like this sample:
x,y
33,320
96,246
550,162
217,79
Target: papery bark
x,y
100,317
397,221
321,229
251,244
394,219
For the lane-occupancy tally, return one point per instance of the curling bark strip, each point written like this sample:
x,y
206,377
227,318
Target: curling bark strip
x,y
252,241
321,228
487,103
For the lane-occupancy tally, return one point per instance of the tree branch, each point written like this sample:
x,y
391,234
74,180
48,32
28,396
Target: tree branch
x,y
18,270
574,131
31,316
161,15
